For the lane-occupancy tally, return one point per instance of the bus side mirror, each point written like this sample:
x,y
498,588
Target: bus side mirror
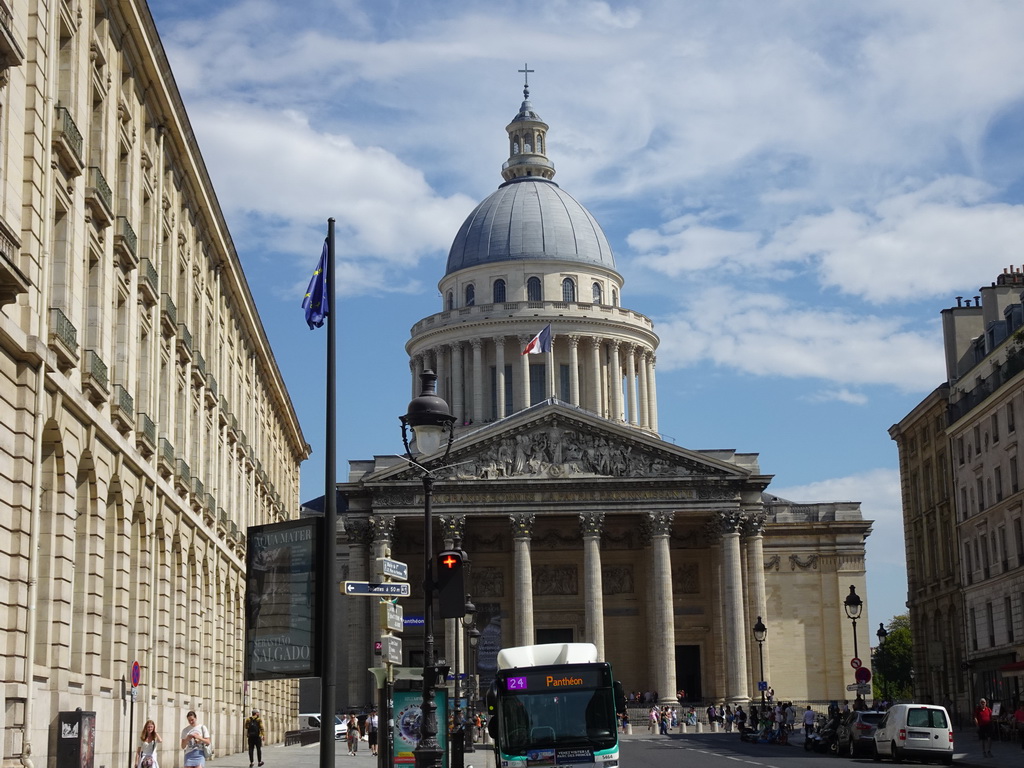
x,y
492,728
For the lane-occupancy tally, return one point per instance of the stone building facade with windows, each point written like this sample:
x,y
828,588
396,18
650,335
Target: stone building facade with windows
x,y
581,523
144,423
965,539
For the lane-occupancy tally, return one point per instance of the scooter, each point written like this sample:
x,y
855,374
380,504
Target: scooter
x,y
826,737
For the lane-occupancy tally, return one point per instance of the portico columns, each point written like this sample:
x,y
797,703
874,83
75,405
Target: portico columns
x,y
458,403
662,639
735,624
754,528
591,524
645,418
631,416
522,530
652,393
615,382
478,379
574,370
499,375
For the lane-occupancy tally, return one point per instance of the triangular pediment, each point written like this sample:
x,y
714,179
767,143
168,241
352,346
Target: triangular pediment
x,y
556,442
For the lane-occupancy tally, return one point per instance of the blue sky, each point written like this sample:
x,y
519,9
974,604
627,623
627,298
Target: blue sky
x,y
793,190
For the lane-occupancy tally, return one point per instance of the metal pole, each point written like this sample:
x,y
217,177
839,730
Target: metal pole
x,y
760,653
428,753
328,568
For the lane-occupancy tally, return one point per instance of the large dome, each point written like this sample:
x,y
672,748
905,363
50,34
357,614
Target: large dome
x,y
529,218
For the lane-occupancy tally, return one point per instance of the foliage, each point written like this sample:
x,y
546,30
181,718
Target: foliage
x,y
893,662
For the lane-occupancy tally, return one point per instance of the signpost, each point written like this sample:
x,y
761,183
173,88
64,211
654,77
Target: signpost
x,y
371,589
859,688
862,675
392,650
393,568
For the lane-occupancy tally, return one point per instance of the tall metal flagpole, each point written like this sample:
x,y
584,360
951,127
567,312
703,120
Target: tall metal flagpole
x,y
329,581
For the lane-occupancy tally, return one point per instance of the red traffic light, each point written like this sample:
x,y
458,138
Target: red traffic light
x,y
450,560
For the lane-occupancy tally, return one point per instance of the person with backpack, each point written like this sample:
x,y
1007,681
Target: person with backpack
x,y
254,735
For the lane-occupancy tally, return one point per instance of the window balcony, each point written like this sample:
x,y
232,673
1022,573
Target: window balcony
x,y
95,382
126,245
149,283
182,476
11,54
165,458
199,371
68,143
145,435
184,344
168,315
63,339
13,281
122,410
98,197
211,391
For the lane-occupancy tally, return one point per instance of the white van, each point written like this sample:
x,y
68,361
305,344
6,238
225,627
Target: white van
x,y
921,731
312,721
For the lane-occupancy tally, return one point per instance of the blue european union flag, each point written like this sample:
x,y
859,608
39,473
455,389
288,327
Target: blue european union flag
x,y
317,301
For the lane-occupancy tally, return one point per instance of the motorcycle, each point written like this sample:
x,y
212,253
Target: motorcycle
x,y
826,736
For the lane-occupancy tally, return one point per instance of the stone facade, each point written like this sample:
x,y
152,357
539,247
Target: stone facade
x,y
143,421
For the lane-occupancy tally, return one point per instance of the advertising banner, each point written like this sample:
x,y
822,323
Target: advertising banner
x,y
282,631
408,711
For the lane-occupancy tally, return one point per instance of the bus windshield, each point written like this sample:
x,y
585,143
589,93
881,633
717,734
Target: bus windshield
x,y
563,719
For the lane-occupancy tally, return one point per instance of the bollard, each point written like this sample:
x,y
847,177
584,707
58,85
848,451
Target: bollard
x,y
699,726
629,729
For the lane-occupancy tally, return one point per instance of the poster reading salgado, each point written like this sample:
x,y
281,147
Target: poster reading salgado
x,y
281,600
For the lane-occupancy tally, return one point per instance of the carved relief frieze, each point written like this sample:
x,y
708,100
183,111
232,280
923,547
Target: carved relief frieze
x,y
772,563
809,563
617,579
487,582
686,579
555,580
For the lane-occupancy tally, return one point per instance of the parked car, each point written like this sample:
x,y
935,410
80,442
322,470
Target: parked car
x,y
921,731
309,721
857,737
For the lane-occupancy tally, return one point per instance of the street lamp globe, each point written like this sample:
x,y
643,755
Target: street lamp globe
x,y
881,633
760,631
853,604
428,417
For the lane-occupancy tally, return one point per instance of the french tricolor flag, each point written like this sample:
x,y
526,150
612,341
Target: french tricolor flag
x,y
540,343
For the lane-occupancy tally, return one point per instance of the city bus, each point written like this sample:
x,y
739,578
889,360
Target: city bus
x,y
554,704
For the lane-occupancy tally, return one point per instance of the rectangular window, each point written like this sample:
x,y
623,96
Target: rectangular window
x,y
1008,618
977,438
964,509
563,383
990,621
968,568
985,559
1014,486
1011,418
1003,555
1018,535
995,427
974,630
960,449
538,383
980,487
998,476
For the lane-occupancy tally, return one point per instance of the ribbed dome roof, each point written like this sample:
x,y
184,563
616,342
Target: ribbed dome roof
x,y
529,218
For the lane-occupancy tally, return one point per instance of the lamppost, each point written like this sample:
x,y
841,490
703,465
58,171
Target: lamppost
x,y
467,622
760,633
882,634
853,605
474,638
429,418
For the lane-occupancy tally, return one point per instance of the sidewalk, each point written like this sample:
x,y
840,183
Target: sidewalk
x,y
280,756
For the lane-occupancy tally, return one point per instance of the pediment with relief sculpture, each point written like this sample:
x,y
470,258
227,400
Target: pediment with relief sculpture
x,y
562,443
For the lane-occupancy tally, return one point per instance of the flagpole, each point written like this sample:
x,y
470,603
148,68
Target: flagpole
x,y
329,582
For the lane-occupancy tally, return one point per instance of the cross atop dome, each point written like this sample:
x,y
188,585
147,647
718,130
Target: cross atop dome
x,y
527,135
526,78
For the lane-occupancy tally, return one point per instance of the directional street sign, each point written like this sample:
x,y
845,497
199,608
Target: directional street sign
x,y
393,568
392,649
369,589
859,688
391,617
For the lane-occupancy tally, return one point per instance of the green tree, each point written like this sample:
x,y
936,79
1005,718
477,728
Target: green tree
x,y
893,662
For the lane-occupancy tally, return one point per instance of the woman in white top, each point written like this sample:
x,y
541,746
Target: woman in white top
x,y
145,756
193,738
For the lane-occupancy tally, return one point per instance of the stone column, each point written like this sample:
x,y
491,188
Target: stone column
x,y
645,419
754,530
524,377
591,524
443,379
652,393
615,382
416,368
478,380
574,370
732,610
458,402
657,529
631,416
549,372
499,375
596,401
522,530
357,611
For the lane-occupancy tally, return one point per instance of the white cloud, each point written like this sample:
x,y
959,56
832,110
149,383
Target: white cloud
x,y
878,491
841,395
766,335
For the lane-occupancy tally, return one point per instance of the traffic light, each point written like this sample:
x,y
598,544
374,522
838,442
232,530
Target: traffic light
x,y
451,585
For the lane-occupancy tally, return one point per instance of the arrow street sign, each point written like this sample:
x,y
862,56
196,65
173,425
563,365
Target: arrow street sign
x,y
859,688
366,589
393,568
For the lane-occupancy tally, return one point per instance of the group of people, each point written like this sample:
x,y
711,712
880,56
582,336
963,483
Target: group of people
x,y
196,742
367,731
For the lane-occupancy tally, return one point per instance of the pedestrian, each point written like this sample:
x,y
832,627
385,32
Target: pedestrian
x,y
652,721
195,740
1018,718
983,719
254,734
352,735
808,722
371,731
145,755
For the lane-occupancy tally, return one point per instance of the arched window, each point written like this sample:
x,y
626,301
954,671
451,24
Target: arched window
x,y
540,144
615,298
568,290
533,292
470,295
499,290
450,301
515,147
597,293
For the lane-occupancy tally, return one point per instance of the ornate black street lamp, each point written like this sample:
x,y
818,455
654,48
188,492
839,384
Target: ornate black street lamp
x,y
882,634
760,633
429,419
853,605
468,623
